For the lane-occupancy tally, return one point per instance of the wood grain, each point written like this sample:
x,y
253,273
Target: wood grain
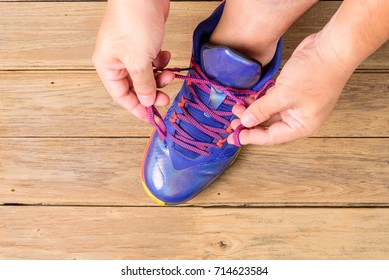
x,y
61,35
63,103
96,171
192,233
70,158
71,103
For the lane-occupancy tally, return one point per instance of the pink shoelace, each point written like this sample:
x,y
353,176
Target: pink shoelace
x,y
199,79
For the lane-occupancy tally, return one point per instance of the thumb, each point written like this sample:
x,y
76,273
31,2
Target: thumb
x,y
144,83
262,109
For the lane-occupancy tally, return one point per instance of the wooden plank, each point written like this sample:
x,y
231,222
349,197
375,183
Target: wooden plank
x,y
106,171
362,109
192,233
58,103
61,103
48,35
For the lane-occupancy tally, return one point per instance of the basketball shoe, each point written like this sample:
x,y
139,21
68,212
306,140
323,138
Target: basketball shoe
x,y
188,149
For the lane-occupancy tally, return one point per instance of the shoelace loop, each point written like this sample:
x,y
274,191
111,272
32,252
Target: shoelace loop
x,y
201,81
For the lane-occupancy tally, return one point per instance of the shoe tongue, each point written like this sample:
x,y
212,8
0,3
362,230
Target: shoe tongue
x,y
229,68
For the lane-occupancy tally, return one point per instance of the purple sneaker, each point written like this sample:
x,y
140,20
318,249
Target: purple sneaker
x,y
188,148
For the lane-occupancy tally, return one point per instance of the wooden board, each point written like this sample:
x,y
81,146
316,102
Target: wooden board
x,y
47,35
95,171
71,103
192,233
70,158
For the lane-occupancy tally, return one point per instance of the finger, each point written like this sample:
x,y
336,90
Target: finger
x,y
238,110
230,139
278,133
262,109
116,83
162,59
164,78
130,102
273,119
140,112
114,80
235,123
144,83
162,99
248,101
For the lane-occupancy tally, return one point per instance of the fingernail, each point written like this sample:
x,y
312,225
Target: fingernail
x,y
166,59
146,100
248,119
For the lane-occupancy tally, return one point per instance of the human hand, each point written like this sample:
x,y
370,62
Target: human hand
x,y
128,45
301,100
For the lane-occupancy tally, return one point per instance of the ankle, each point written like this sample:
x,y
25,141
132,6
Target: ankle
x,y
262,50
254,27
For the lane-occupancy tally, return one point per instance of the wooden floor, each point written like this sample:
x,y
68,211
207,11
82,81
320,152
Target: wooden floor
x,y
70,158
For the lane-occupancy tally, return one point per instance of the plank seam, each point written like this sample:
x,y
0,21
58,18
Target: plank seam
x,y
224,206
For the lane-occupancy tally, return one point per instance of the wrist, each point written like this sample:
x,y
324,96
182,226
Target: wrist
x,y
355,32
161,5
335,53
339,48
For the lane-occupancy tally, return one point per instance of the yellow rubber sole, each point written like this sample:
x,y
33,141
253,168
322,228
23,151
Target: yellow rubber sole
x,y
160,202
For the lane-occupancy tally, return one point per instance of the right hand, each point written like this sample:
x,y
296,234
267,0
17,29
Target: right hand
x,y
128,45
303,97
